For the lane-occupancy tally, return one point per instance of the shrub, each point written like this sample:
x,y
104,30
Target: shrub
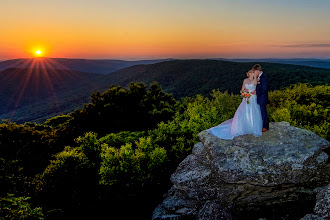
x,y
129,167
303,106
12,207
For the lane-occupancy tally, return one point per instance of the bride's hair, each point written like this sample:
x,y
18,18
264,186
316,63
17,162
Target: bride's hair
x,y
249,72
257,67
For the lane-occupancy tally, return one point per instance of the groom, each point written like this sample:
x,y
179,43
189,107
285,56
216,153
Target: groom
x,y
262,95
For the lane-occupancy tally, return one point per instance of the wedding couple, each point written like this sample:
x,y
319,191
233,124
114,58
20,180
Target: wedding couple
x,y
251,116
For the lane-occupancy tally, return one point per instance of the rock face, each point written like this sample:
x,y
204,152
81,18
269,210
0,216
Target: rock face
x,y
311,217
322,207
273,175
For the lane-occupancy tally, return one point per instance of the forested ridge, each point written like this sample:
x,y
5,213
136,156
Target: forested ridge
x,y
115,155
182,78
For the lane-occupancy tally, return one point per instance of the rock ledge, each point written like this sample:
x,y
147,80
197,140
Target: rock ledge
x,y
229,179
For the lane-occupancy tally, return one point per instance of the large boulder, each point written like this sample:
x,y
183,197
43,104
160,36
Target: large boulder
x,y
272,175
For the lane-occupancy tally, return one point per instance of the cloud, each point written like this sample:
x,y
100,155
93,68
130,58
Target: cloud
x,y
303,45
229,45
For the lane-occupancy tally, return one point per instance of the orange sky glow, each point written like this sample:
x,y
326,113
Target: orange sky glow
x,y
150,29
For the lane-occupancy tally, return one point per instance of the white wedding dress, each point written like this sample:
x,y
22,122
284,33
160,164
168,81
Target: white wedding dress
x,y
247,120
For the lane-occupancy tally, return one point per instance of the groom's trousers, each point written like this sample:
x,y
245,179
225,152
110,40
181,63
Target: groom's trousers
x,y
264,116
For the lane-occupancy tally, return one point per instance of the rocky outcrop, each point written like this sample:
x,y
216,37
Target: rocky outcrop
x,y
322,206
272,175
311,217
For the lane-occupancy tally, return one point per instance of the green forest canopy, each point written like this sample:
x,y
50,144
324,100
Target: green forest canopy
x,y
121,148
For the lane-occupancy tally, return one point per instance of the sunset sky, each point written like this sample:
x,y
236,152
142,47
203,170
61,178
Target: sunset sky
x,y
150,29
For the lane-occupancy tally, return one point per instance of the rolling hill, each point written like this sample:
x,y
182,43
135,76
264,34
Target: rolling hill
x,y
83,65
21,87
179,77
191,77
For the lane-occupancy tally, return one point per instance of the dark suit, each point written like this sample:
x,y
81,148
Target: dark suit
x,y
262,98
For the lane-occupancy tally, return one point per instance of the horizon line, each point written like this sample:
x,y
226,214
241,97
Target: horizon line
x,y
171,58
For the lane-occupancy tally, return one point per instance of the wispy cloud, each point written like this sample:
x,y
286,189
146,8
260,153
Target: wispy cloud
x,y
303,45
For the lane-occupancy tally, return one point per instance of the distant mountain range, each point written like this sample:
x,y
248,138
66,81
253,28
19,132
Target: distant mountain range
x,y
84,65
320,63
37,94
108,66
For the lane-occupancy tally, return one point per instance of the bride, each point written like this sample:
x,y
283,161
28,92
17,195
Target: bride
x,y
247,119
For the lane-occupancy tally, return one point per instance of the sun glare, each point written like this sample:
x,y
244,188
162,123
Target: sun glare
x,y
38,50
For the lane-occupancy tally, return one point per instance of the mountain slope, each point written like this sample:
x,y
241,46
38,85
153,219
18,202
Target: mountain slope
x,y
84,65
180,77
22,87
190,77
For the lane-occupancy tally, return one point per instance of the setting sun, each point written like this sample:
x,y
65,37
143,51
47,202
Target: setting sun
x,y
38,52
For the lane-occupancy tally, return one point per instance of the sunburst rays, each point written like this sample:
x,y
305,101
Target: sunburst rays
x,y
33,72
